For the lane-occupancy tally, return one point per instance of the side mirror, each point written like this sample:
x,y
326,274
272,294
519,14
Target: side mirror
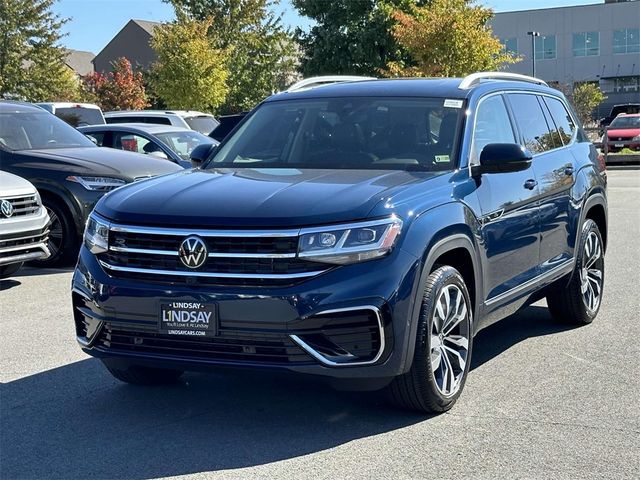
x,y
502,158
202,153
92,138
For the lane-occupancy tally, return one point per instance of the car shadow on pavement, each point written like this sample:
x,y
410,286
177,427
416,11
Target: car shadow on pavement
x,y
7,283
76,421
30,271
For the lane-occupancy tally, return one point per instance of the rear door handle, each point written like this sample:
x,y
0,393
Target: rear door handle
x,y
530,184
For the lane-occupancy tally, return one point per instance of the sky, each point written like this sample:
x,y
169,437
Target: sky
x,y
95,22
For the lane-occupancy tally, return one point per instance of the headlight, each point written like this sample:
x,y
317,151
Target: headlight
x,y
100,184
96,235
343,244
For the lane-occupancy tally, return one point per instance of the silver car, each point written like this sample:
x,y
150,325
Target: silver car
x,y
24,224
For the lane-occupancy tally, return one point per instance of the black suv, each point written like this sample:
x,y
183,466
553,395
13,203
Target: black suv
x,y
362,232
69,170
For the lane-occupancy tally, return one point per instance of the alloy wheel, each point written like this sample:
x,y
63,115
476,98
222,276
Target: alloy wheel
x,y
56,235
591,273
450,334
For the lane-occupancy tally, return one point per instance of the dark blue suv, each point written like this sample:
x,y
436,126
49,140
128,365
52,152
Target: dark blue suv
x,y
362,232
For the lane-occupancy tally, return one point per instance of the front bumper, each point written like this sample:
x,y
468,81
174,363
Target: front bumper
x,y
363,309
24,238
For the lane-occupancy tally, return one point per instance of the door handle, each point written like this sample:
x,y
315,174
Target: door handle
x,y
568,171
530,184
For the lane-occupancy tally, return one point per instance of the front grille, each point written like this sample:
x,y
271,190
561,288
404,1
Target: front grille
x,y
25,243
23,205
264,348
238,258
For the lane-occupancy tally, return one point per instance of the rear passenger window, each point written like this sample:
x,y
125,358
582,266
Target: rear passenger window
x,y
492,126
562,119
537,136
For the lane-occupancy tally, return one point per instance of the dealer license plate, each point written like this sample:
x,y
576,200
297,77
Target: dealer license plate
x,y
618,145
189,319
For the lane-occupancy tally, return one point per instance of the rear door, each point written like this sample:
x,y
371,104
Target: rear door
x,y
508,201
546,127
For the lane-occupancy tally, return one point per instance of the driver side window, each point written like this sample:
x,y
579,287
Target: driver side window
x,y
492,126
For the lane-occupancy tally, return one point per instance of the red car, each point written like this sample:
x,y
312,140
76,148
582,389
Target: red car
x,y
624,128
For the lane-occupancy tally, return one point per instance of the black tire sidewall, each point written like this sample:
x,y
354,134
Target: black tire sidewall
x,y
439,279
69,245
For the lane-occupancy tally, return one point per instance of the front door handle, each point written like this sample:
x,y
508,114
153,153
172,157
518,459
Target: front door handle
x,y
568,171
530,184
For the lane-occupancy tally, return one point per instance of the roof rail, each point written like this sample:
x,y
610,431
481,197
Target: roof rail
x,y
313,82
475,78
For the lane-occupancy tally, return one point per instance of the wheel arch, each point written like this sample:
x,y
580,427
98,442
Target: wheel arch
x,y
595,208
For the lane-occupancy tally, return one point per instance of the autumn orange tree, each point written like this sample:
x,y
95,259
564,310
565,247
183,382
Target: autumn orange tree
x,y
120,89
447,38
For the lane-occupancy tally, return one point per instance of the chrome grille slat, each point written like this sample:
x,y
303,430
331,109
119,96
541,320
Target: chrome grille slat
x,y
23,205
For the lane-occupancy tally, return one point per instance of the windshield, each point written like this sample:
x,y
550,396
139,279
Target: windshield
x,y
626,121
352,133
203,123
183,142
80,116
38,130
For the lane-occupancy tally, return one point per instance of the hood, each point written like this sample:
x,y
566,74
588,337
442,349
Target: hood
x,y
13,185
99,161
254,197
623,132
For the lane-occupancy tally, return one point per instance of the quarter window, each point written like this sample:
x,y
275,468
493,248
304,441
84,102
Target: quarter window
x,y
586,44
626,40
492,126
537,136
545,47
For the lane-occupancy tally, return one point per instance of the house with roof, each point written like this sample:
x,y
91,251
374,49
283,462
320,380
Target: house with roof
x,y
131,42
80,62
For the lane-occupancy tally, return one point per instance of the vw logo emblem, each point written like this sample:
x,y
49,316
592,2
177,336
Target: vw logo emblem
x,y
6,208
193,252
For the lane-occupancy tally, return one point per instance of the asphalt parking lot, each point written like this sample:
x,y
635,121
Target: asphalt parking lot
x,y
542,400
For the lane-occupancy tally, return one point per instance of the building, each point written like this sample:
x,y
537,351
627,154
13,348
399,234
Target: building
x,y
80,62
131,42
583,43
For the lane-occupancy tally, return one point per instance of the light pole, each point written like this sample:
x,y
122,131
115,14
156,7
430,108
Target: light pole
x,y
533,51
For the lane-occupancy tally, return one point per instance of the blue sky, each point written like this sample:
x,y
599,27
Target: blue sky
x,y
94,22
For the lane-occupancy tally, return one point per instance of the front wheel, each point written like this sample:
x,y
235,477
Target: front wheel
x,y
63,240
443,346
579,302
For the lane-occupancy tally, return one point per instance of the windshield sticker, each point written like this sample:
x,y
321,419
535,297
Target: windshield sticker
x,y
442,158
451,103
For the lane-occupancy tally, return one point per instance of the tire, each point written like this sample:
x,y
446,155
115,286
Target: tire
x,y
63,239
8,270
426,387
137,375
579,301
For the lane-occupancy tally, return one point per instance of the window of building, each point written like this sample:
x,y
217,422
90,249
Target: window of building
x,y
586,44
510,45
545,47
620,84
626,40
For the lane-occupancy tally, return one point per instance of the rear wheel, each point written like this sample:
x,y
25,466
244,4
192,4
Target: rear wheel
x,y
63,241
7,270
443,346
138,375
579,302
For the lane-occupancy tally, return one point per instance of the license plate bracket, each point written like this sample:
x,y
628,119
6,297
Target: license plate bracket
x,y
188,319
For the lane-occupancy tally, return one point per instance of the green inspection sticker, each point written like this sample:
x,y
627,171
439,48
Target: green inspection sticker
x,y
442,158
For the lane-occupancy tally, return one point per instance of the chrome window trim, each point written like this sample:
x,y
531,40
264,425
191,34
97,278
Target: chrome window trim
x,y
518,140
330,363
179,273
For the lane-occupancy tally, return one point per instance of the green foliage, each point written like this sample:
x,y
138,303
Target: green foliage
x,y
585,98
351,37
32,63
262,53
191,72
120,89
447,38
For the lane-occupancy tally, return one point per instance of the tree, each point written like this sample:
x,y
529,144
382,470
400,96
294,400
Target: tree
x,y
32,63
350,37
585,98
262,54
447,38
191,72
120,89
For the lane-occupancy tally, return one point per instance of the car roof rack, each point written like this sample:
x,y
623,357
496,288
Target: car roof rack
x,y
475,78
313,82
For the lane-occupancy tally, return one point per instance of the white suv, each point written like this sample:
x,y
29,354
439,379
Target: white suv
x,y
24,224
198,121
